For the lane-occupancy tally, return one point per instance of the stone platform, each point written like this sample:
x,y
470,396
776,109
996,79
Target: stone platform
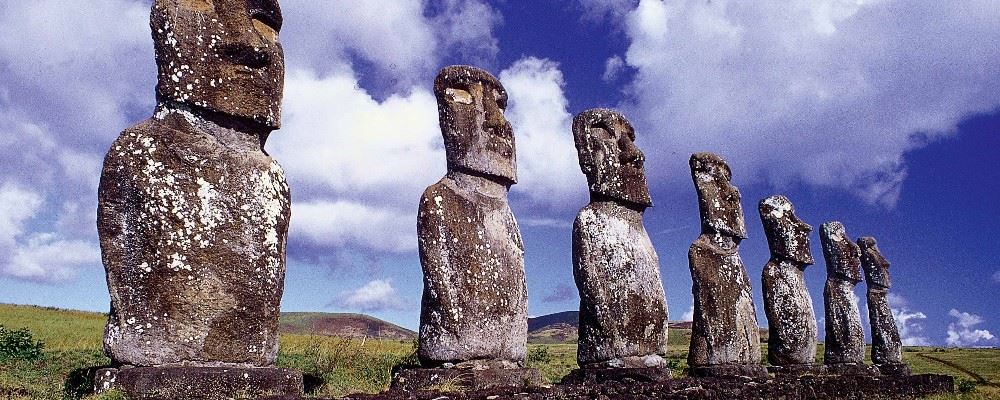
x,y
414,379
202,383
729,370
853,387
625,375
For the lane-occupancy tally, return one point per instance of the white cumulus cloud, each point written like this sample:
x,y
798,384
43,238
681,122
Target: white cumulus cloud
x,y
908,322
376,295
74,75
962,332
831,93
689,314
547,166
36,256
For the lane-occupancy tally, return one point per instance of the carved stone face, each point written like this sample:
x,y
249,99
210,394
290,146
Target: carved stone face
x,y
221,56
787,235
718,199
605,142
843,257
875,265
477,137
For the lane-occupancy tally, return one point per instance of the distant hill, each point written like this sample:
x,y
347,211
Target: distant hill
x,y
565,317
343,325
561,327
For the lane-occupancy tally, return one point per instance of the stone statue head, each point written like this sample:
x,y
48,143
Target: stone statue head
x,y
875,265
843,257
787,235
220,56
477,137
718,199
605,142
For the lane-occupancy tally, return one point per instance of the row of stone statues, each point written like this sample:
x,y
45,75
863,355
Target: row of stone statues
x,y
473,307
193,217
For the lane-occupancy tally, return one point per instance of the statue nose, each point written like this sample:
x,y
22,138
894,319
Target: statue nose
x,y
494,118
631,154
243,52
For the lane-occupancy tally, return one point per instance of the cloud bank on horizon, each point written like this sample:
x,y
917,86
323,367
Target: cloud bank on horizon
x,y
823,93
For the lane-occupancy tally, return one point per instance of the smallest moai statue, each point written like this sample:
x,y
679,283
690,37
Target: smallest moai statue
x,y
791,343
623,311
887,348
845,341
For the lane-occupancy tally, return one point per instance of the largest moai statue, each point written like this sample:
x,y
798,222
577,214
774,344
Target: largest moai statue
x,y
844,350
623,310
193,213
887,348
725,338
792,331
474,308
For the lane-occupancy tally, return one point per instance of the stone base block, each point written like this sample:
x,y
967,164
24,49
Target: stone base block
x,y
806,387
453,379
851,369
899,369
729,370
597,375
202,383
797,369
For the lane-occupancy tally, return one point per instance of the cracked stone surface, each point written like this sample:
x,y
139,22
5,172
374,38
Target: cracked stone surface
x,y
845,341
887,348
724,331
474,304
623,310
192,212
792,331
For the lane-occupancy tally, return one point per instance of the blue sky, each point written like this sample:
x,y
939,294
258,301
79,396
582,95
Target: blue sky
x,y
881,114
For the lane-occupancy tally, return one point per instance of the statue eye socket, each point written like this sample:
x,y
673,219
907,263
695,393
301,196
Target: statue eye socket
x,y
602,132
500,99
265,14
458,95
265,30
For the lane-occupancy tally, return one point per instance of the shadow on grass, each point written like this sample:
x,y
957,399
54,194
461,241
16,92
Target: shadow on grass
x,y
80,382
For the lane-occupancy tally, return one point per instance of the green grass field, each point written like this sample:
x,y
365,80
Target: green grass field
x,y
335,366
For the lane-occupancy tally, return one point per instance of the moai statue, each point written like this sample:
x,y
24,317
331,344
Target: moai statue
x,y
623,310
473,313
193,213
887,348
725,338
792,332
845,341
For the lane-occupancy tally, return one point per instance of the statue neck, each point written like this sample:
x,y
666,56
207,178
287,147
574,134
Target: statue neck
x,y
215,123
479,183
722,241
596,197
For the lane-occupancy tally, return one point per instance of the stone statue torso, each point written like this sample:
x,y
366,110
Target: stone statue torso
x,y
622,309
792,322
474,302
193,227
725,331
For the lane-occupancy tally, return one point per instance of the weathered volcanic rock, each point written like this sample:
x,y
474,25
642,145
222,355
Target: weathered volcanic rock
x,y
725,339
887,348
845,341
202,383
623,311
851,387
474,304
792,331
193,214
464,379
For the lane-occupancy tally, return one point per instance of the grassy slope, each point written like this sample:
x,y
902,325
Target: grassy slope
x,y
339,366
342,324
